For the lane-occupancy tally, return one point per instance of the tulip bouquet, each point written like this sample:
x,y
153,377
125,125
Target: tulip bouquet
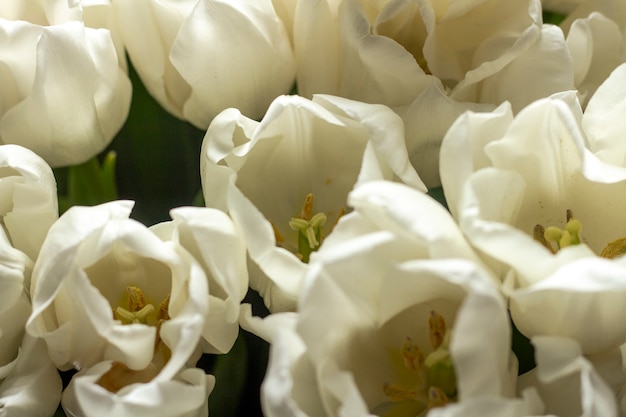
x,y
312,208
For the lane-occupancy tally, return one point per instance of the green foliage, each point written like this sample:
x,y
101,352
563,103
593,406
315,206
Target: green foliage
x,y
89,183
158,158
437,194
553,17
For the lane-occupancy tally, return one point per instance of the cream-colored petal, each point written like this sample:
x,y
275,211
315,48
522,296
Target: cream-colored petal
x,y
595,44
185,395
572,302
33,387
78,65
232,54
603,122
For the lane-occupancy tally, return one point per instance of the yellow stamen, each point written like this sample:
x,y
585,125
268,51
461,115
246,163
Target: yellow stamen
x,y
434,383
437,327
341,213
411,355
163,313
309,227
397,392
307,208
539,235
277,235
437,398
555,239
136,300
614,249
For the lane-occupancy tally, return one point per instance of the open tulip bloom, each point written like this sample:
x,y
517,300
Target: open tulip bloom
x,y
310,154
374,327
316,208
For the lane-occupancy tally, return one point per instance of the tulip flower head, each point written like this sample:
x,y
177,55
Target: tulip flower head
x,y
284,181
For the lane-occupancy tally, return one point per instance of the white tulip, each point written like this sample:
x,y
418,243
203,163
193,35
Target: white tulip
x,y
199,57
28,194
390,338
65,90
541,195
284,181
106,288
212,239
598,46
430,60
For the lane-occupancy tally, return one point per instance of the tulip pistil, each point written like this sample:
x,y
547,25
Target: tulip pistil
x,y
555,239
309,228
138,311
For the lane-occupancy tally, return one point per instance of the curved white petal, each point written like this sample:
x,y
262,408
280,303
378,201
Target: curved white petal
x,y
595,44
70,63
184,395
602,119
212,238
572,301
33,387
232,54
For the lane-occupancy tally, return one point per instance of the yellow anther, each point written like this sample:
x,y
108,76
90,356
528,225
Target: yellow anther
x,y
539,235
277,235
437,329
434,383
411,355
396,392
136,300
307,208
163,313
437,398
340,214
614,249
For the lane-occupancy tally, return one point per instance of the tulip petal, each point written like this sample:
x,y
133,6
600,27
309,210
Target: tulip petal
x,y
232,54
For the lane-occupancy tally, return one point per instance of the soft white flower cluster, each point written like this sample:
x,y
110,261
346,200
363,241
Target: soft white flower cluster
x,y
381,302
131,308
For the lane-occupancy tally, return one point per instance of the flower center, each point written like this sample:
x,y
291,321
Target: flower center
x,y
309,228
121,375
555,239
138,312
433,381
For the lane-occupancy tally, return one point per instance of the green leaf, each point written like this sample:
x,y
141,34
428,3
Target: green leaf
x,y
437,194
88,184
158,158
230,373
553,18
